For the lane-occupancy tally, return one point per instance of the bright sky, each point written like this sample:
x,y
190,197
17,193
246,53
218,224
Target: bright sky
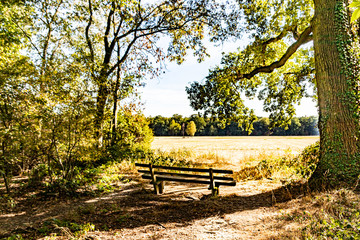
x,y
166,96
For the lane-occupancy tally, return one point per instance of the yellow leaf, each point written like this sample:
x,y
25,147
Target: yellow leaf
x,y
355,15
355,3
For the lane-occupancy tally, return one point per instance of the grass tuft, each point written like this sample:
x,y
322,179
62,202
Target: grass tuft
x,y
338,218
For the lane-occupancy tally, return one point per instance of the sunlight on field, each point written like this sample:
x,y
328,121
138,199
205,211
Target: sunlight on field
x,y
236,150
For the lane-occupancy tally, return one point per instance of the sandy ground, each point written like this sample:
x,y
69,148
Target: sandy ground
x,y
251,210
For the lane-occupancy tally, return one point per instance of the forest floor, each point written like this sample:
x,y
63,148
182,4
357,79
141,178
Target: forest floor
x,y
251,210
256,209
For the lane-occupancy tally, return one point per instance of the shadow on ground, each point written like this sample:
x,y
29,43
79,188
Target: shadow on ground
x,y
134,207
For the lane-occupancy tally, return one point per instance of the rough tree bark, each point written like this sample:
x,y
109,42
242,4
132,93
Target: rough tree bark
x,y
336,78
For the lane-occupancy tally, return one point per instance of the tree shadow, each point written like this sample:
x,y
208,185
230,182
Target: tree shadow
x,y
138,207
164,209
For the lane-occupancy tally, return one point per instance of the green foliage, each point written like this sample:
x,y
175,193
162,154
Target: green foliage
x,y
38,174
89,180
133,136
174,127
307,161
190,128
285,168
339,217
15,237
72,230
273,25
14,101
215,127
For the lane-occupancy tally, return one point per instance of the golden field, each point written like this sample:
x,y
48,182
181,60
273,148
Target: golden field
x,y
235,150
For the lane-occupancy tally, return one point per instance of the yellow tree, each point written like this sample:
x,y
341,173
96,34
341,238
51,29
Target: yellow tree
x,y
191,128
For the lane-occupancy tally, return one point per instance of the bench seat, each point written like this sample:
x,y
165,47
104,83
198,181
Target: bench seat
x,y
167,174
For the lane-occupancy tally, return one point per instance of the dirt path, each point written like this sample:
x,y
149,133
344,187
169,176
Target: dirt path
x,y
251,210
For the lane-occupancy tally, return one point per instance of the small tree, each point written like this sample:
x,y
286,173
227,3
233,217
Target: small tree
x,y
191,128
174,127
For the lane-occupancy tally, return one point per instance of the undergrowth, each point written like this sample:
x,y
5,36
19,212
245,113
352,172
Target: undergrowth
x,y
173,158
58,229
338,218
91,181
285,168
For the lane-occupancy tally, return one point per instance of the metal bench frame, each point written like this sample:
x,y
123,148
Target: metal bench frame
x,y
159,177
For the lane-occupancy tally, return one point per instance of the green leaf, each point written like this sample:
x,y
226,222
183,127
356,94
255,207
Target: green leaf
x,y
355,15
355,4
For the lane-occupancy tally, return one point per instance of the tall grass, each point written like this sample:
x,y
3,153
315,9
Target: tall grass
x,y
283,166
338,218
185,157
286,167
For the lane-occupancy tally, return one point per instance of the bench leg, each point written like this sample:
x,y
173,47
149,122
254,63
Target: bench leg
x,y
161,187
153,178
215,191
156,188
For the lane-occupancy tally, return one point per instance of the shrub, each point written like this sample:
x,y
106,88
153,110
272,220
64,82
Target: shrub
x,y
133,136
285,167
339,217
37,174
306,162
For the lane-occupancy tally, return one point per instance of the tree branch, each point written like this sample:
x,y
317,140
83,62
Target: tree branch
x,y
127,51
108,27
27,36
304,37
272,40
89,43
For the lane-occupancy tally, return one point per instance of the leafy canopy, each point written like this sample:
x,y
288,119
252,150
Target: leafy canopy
x,y
272,67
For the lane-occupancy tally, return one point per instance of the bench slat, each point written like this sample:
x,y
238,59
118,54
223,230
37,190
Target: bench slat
x,y
174,179
187,175
188,180
185,169
219,183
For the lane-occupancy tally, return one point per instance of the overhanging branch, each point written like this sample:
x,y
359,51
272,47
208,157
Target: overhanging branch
x,y
304,37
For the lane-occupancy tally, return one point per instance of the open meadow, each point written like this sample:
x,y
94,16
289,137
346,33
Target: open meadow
x,y
238,151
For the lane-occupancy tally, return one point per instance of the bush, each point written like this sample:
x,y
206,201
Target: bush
x,y
287,167
306,162
190,128
339,217
132,139
37,174
174,158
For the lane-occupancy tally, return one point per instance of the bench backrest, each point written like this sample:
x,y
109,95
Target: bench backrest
x,y
185,169
158,177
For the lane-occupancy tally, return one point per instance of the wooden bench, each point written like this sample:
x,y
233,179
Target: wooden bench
x,y
207,177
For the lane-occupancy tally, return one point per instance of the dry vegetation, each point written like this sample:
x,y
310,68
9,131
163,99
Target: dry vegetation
x,y
233,151
260,208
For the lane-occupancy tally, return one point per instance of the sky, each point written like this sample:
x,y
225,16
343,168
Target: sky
x,y
166,95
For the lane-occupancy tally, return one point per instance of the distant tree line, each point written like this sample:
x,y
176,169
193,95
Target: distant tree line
x,y
177,124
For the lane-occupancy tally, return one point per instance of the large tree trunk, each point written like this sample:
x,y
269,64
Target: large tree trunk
x,y
336,78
